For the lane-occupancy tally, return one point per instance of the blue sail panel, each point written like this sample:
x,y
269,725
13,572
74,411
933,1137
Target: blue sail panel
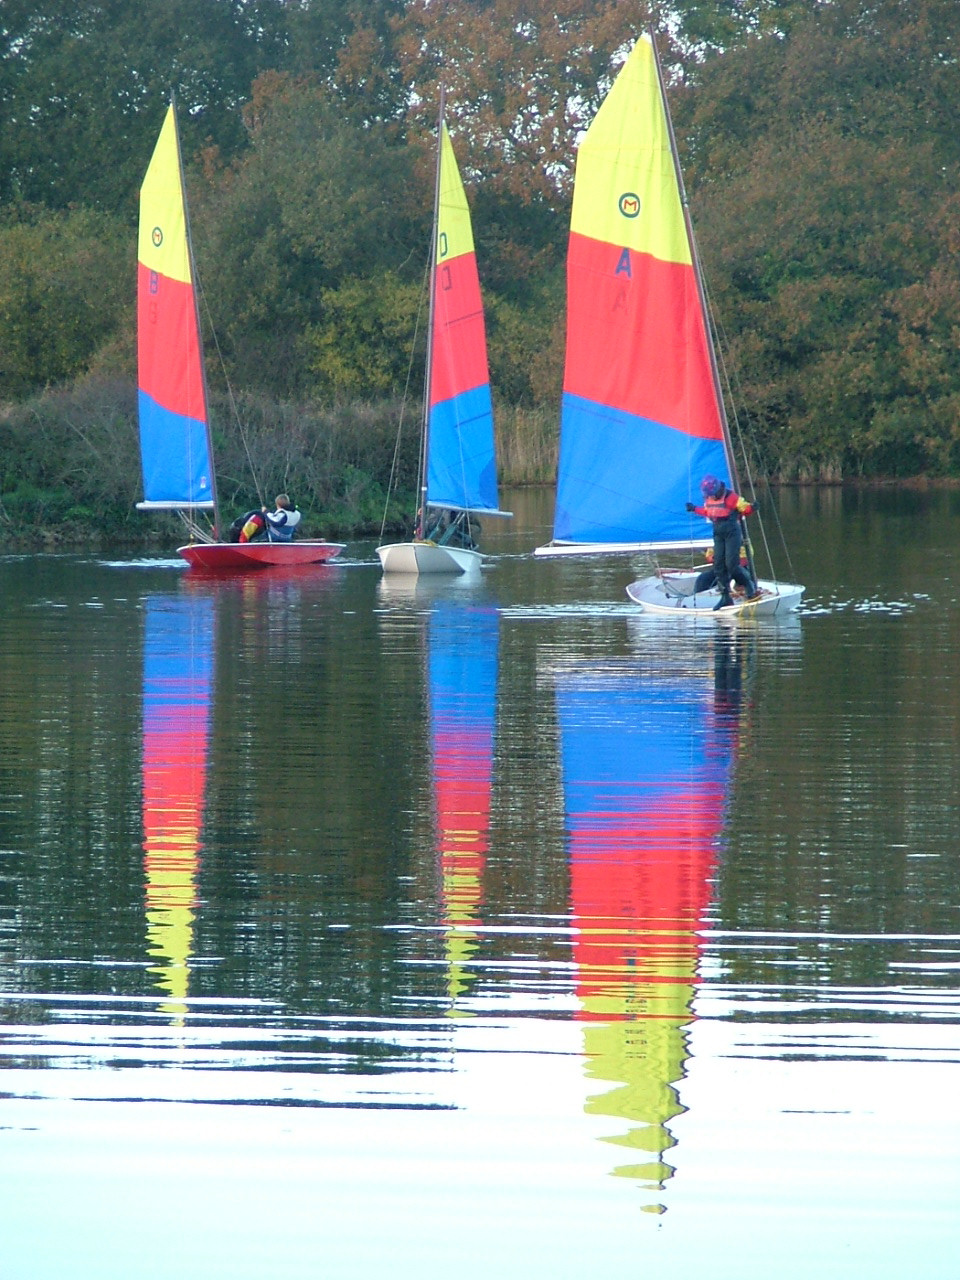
x,y
175,457
462,469
635,488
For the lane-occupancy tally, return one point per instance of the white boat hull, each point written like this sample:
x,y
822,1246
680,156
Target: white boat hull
x,y
418,558
672,595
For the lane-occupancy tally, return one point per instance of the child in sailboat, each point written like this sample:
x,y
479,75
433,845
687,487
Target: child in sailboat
x,y
723,508
282,523
707,578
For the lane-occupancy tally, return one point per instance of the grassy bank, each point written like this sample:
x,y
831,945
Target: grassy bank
x,y
70,467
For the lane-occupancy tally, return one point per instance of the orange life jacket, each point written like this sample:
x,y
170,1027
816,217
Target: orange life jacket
x,y
715,508
720,508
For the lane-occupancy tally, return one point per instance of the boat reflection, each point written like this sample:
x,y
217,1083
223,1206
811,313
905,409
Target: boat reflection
x,y
647,752
177,686
462,665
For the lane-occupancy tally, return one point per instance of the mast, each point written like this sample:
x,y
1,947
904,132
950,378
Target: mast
x,y
196,312
425,433
702,293
697,270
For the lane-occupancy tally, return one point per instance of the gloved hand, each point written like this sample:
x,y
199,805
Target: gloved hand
x,y
691,506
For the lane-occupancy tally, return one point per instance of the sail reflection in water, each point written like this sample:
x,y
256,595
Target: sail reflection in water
x,y
647,757
462,675
177,679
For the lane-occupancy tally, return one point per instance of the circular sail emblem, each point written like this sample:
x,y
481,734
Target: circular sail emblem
x,y
629,204
157,237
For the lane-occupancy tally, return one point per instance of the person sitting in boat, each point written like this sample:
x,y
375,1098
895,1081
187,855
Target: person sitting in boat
x,y
723,508
707,578
282,523
454,528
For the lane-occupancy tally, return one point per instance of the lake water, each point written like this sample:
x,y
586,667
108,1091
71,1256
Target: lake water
x,y
352,929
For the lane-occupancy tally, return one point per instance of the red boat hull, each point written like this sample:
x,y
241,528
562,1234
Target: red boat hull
x,y
218,556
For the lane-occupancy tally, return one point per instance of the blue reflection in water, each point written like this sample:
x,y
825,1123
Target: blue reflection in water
x,y
462,686
647,761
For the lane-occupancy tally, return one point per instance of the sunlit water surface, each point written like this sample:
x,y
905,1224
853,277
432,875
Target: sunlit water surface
x,y
350,928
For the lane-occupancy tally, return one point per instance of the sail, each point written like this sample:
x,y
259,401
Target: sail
x,y
646,769
461,464
177,681
174,435
641,420
462,674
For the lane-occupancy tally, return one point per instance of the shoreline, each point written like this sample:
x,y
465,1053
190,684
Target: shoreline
x,y
50,539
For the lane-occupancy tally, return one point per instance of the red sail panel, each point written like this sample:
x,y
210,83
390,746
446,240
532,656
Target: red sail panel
x,y
168,346
619,298
459,360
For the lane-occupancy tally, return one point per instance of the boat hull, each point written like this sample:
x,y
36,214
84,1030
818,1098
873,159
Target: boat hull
x,y
420,558
672,595
217,557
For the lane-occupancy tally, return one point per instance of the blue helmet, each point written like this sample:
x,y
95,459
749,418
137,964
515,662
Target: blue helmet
x,y
709,485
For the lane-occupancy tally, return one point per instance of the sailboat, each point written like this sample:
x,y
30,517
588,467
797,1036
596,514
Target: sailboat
x,y
458,459
176,446
642,418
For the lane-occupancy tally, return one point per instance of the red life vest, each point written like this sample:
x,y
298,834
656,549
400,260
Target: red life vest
x,y
715,508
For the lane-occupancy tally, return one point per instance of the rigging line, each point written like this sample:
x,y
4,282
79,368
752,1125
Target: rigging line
x,y
194,528
403,404
230,395
735,394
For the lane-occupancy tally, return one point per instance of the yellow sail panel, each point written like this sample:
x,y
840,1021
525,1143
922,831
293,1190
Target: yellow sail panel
x,y
626,191
454,233
162,242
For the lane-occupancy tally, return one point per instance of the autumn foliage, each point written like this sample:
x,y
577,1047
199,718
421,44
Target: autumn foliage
x,y
818,140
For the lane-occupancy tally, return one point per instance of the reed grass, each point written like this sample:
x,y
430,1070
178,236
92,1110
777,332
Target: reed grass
x,y
527,445
70,470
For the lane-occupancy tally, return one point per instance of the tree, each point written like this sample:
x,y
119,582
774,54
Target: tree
x,y
83,85
63,294
522,81
317,203
349,44
820,168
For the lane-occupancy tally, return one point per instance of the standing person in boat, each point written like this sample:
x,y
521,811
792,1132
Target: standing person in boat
x,y
723,508
282,523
